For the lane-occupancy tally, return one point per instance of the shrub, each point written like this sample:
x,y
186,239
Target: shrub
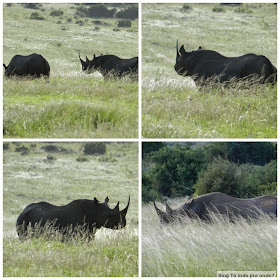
x,y
100,11
9,4
94,148
51,149
50,157
82,159
218,10
34,6
244,180
97,22
242,10
80,22
56,13
6,146
187,7
124,23
21,149
69,20
36,16
129,13
107,159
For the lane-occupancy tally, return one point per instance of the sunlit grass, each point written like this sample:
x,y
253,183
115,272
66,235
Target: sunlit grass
x,y
99,108
73,104
199,249
172,107
33,178
109,255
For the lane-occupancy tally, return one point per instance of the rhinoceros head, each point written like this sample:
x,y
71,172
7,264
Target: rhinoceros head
x,y
177,214
111,218
85,64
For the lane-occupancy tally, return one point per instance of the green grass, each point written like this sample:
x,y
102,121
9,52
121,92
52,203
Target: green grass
x,y
32,178
172,107
197,249
73,104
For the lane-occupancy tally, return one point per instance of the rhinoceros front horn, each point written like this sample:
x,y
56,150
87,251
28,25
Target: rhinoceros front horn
x,y
123,212
177,50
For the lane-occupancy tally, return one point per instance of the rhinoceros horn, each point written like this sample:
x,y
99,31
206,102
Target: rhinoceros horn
x,y
177,49
80,57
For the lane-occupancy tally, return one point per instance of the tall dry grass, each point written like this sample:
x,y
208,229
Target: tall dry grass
x,y
196,249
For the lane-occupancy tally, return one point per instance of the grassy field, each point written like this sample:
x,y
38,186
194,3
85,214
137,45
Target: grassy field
x,y
73,104
35,177
200,250
172,107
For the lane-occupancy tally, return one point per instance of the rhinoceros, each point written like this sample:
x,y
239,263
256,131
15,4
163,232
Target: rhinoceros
x,y
84,213
203,64
204,206
110,65
33,65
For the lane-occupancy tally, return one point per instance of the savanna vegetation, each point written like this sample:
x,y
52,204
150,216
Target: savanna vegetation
x,y
173,171
196,249
240,169
73,104
60,173
172,106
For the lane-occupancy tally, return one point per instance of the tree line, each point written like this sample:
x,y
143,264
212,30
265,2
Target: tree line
x,y
191,169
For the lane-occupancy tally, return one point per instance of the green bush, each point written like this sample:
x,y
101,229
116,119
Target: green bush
x,y
82,159
80,22
34,6
99,11
129,13
238,169
50,157
243,10
124,23
6,146
107,159
218,10
174,170
94,148
21,149
245,180
187,7
36,16
56,13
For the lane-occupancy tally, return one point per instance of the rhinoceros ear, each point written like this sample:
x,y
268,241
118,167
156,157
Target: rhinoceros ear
x,y
168,208
95,200
190,202
94,56
182,50
87,60
107,200
117,206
